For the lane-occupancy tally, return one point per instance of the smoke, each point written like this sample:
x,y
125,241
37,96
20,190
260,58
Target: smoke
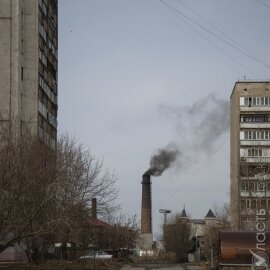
x,y
198,126
162,160
201,124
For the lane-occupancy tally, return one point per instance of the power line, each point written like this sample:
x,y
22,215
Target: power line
x,y
221,32
262,3
216,36
211,42
201,44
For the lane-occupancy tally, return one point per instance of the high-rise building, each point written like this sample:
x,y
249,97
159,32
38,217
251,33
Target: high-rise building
x,y
28,67
250,154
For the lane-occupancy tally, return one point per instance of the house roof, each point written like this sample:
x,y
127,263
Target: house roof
x,y
184,214
210,214
99,223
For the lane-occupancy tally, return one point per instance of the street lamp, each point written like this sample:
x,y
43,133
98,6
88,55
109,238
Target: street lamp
x,y
165,212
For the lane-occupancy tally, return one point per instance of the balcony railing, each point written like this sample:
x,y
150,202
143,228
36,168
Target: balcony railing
x,y
255,125
255,142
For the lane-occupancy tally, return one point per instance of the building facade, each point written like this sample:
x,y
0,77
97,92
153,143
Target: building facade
x,y
250,154
28,68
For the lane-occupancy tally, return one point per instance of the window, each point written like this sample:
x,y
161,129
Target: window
x,y
248,203
253,118
243,204
263,203
254,152
254,101
244,186
253,204
251,186
260,186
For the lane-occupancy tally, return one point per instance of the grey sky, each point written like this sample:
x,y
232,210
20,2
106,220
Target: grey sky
x,y
121,62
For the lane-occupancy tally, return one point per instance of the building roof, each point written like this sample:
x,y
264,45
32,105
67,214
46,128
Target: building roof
x,y
210,214
184,214
99,223
248,82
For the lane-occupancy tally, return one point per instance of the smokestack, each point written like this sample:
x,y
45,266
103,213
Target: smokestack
x,y
146,213
146,218
94,209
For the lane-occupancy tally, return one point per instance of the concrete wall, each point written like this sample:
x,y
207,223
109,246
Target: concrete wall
x,y
30,65
19,64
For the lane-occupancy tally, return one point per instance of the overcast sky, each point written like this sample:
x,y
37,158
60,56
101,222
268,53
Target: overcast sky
x,y
138,75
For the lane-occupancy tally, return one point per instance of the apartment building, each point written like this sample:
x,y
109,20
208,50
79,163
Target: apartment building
x,y
250,154
28,68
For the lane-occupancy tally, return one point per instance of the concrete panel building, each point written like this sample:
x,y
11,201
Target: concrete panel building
x,y
28,68
250,154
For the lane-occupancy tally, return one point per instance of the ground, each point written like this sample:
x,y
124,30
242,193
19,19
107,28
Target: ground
x,y
163,266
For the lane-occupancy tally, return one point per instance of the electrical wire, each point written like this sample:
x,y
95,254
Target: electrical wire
x,y
211,42
262,3
215,35
199,43
220,31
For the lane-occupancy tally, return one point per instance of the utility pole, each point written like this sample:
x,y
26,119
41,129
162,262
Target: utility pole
x,y
211,253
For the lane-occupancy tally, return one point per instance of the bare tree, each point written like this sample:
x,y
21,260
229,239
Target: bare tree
x,y
27,175
211,231
81,177
126,231
45,194
177,234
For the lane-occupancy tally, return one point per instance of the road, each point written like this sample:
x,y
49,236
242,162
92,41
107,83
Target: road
x,y
163,267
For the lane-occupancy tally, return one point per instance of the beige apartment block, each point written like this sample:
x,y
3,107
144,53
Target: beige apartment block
x,y
28,68
250,154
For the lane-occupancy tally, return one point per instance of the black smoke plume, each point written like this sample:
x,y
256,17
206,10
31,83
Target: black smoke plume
x,y
198,127
162,160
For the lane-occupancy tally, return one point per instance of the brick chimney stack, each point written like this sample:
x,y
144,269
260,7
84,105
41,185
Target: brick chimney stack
x,y
146,213
94,209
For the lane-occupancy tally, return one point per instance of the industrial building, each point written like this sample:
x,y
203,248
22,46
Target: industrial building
x,y
250,154
28,77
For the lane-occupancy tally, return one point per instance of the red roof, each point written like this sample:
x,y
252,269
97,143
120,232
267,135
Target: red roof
x,y
98,222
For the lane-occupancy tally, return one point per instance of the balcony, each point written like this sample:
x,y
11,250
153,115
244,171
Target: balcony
x,y
254,143
255,159
255,194
255,125
255,109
